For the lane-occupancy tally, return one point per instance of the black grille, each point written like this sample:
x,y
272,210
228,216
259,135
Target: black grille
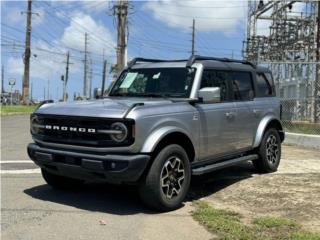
x,y
75,137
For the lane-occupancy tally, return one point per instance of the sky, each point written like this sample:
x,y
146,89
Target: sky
x,y
157,29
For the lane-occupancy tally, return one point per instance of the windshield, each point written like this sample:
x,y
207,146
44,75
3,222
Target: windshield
x,y
154,82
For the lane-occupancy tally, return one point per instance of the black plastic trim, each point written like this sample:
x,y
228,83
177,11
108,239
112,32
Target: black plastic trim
x,y
90,166
216,166
194,58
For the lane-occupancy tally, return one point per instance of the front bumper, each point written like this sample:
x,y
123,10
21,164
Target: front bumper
x,y
110,168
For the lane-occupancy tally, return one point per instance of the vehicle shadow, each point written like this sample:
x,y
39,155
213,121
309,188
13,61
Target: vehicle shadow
x,y
124,200
211,183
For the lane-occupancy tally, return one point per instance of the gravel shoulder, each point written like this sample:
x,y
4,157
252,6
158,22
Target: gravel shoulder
x,y
292,192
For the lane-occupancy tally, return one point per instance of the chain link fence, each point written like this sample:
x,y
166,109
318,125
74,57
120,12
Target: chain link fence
x,y
298,115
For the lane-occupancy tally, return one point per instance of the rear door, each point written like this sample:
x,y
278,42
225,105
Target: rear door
x,y
245,121
265,101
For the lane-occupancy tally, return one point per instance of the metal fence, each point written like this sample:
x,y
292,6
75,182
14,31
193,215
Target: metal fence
x,y
298,115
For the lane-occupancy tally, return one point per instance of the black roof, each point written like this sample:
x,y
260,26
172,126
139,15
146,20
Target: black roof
x,y
213,62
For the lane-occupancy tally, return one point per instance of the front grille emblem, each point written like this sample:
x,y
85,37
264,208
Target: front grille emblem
x,y
70,129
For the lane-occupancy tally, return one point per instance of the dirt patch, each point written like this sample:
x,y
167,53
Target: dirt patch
x,y
292,192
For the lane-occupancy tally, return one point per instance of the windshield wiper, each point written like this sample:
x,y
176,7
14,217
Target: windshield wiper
x,y
155,95
149,95
118,94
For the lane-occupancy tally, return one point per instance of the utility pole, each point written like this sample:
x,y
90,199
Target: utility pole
x,y
66,78
316,116
120,10
85,62
193,35
90,80
31,92
48,90
25,82
103,77
2,79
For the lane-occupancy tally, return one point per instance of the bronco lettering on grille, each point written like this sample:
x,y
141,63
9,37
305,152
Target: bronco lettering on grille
x,y
71,129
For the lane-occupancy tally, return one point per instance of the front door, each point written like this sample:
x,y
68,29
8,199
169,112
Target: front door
x,y
217,128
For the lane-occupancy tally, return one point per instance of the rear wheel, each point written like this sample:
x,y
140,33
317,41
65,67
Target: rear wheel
x,y
269,152
168,179
60,182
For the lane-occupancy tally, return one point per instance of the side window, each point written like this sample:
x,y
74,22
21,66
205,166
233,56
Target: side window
x,y
264,86
242,86
271,82
216,78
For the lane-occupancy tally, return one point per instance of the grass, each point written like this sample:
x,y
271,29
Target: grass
x,y
16,109
302,127
227,225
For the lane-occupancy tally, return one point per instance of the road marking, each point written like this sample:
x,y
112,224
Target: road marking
x,y
17,161
24,171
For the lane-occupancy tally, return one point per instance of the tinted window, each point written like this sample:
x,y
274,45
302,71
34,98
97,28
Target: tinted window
x,y
264,86
242,86
213,78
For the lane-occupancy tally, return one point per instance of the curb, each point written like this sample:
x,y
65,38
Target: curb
x,y
304,140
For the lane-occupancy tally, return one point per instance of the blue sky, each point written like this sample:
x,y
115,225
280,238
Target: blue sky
x,y
157,29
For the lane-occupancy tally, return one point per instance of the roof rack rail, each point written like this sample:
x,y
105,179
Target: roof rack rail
x,y
194,58
135,60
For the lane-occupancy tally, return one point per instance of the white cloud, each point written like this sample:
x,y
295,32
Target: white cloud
x,y
48,57
43,64
218,16
18,16
95,6
99,37
46,60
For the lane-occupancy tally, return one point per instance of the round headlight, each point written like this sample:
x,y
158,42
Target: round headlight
x,y
121,132
33,125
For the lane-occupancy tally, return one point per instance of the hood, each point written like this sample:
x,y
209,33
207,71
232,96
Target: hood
x,y
107,108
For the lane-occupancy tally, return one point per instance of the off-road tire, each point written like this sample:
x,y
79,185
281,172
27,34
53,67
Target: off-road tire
x,y
153,192
60,182
269,152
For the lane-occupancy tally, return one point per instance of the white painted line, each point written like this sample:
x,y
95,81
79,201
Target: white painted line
x,y
24,171
17,161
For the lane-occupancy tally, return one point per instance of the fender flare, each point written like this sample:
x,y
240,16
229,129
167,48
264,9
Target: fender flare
x,y
262,127
156,136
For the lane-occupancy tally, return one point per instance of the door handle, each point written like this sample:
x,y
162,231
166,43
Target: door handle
x,y
256,112
230,114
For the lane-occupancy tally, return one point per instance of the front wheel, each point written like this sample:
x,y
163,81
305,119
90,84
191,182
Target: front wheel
x,y
269,152
168,179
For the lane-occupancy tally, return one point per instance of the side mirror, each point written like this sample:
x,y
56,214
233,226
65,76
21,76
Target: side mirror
x,y
97,93
210,94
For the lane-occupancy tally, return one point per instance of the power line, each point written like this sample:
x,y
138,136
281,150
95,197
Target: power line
x,y
92,34
193,36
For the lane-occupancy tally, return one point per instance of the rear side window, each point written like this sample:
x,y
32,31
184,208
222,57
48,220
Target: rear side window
x,y
264,86
216,78
242,86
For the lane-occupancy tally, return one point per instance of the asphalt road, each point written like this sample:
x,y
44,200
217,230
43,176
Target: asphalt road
x,y
30,209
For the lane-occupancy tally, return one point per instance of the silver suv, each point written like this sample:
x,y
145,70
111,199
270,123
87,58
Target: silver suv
x,y
162,122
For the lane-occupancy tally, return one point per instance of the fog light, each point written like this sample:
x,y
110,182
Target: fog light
x,y
113,165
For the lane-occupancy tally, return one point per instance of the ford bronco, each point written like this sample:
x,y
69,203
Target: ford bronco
x,y
161,122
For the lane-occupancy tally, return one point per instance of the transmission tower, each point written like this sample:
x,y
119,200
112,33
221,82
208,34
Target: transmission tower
x,y
289,47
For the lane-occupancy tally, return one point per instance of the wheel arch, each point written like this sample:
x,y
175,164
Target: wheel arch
x,y
166,136
266,123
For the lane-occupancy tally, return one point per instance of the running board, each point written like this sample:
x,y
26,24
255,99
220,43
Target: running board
x,y
220,165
